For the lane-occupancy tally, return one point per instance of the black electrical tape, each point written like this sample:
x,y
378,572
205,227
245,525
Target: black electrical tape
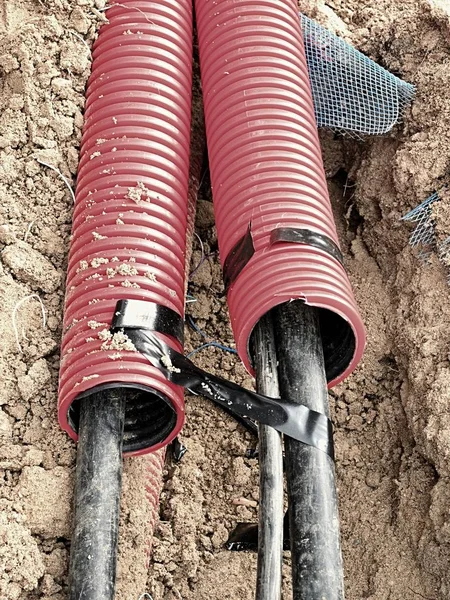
x,y
292,419
308,237
141,314
237,258
178,450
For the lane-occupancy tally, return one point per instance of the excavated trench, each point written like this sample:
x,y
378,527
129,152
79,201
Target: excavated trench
x,y
391,416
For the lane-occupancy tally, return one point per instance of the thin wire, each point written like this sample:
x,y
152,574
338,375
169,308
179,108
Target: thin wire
x,y
195,327
215,345
203,177
80,37
66,181
128,7
202,258
14,314
28,231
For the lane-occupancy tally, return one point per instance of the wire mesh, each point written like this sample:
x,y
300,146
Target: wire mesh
x,y
423,234
351,92
444,252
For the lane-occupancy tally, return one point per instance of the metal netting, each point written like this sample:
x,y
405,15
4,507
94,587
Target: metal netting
x,y
423,235
350,91
444,252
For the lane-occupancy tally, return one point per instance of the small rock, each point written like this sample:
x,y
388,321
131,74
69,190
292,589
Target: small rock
x,y
62,87
219,537
204,218
33,457
341,416
245,502
50,243
355,422
371,414
74,57
31,267
35,381
56,562
79,20
18,411
5,426
205,542
355,408
244,514
62,126
20,557
32,168
240,473
8,63
49,586
373,479
6,235
34,432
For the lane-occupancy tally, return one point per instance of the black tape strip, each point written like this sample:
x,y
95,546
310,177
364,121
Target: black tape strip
x,y
178,450
141,314
308,237
237,258
294,420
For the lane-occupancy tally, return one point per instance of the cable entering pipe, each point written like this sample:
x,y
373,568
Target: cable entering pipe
x,y
270,530
97,496
317,571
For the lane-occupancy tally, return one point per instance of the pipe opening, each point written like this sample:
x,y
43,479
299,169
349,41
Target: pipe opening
x,y
338,341
150,416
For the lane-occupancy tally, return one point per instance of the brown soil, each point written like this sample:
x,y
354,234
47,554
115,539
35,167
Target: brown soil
x,y
392,418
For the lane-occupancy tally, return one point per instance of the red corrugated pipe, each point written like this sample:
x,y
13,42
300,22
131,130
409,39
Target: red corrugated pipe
x,y
131,213
267,172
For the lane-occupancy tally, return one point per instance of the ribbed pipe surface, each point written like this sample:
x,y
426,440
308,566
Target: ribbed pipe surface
x,y
266,169
130,217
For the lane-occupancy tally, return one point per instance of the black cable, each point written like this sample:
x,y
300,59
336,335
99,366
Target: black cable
x,y
97,496
313,515
270,530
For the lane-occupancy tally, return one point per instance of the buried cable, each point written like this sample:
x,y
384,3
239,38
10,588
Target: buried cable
x,y
97,496
270,534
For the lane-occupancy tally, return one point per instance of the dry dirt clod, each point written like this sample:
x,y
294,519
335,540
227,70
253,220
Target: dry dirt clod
x,y
6,235
22,562
31,267
35,381
5,425
46,498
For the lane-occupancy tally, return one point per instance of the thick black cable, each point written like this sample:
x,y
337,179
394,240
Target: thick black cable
x,y
97,496
313,514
